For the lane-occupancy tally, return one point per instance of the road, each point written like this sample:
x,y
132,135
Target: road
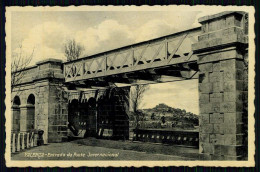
x,y
75,151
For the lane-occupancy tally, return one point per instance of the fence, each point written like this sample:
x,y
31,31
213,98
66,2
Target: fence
x,y
186,138
21,141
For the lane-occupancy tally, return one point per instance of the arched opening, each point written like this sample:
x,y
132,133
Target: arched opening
x,y
78,117
16,114
17,101
31,100
30,112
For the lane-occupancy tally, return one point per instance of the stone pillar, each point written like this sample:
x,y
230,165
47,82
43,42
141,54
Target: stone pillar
x,y
30,117
221,50
15,118
26,118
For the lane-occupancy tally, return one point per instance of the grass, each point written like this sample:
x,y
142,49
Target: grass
x,y
142,147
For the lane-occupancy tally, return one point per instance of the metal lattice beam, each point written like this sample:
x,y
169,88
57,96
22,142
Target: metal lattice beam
x,y
151,55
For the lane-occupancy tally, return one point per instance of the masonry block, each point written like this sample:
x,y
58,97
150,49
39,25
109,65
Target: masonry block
x,y
230,86
235,96
206,148
216,97
232,128
206,128
207,67
204,137
231,75
205,108
233,139
233,117
206,87
216,118
204,119
217,87
210,108
218,128
216,139
216,77
215,107
227,107
204,98
227,65
216,57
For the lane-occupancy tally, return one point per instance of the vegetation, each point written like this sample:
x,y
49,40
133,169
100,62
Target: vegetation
x,y
20,61
164,116
73,50
135,99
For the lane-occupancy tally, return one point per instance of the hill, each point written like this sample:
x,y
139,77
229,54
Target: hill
x,y
164,116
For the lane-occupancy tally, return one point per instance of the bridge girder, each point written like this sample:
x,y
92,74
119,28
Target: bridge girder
x,y
154,61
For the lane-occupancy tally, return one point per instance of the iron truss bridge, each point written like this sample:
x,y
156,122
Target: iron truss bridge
x,y
165,59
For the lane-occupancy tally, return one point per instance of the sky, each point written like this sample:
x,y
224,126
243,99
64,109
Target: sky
x,y
45,33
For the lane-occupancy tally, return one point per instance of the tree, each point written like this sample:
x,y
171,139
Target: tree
x,y
20,61
163,119
153,117
73,50
136,96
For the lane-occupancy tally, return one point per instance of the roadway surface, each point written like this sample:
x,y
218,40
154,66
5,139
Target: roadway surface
x,y
76,151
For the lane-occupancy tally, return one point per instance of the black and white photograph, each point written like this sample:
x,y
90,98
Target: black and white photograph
x,y
130,86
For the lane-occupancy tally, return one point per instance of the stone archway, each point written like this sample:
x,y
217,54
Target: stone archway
x,y
16,114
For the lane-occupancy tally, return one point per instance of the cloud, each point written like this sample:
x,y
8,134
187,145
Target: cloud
x,y
45,39
153,29
106,36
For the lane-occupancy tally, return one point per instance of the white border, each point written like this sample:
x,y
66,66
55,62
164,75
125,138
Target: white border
x,y
251,91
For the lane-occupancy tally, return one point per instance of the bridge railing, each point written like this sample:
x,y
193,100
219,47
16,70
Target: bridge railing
x,y
186,138
21,141
163,51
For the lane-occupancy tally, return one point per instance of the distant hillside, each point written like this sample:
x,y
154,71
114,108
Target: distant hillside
x,y
173,117
165,109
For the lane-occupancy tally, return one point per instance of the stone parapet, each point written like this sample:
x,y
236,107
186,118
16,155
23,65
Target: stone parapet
x,y
226,29
46,69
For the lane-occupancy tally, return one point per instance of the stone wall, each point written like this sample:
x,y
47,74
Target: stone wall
x,y
49,112
42,82
222,86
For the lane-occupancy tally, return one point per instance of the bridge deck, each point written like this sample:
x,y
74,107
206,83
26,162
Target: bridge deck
x,y
170,55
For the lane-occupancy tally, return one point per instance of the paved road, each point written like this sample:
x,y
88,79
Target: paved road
x,y
74,151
